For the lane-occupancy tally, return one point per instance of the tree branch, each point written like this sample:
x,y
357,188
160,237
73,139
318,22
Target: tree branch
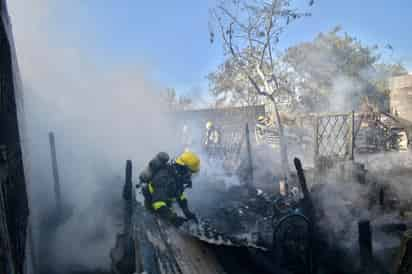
x,y
268,29
231,16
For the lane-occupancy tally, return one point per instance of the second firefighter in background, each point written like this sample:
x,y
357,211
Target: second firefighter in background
x,y
164,183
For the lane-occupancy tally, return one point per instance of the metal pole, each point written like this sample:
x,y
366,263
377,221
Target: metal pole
x,y
352,153
316,139
249,155
57,191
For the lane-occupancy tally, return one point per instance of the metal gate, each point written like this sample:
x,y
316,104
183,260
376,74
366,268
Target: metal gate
x,y
334,138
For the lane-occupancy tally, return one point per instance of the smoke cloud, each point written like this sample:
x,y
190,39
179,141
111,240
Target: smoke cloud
x,y
101,116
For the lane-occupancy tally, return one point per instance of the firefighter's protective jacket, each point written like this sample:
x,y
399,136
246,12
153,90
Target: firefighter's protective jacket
x,y
164,187
212,137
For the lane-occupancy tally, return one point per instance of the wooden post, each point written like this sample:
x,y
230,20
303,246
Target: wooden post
x,y
57,190
365,244
249,155
303,185
128,196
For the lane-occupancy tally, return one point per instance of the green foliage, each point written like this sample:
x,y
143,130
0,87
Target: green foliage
x,y
334,60
334,72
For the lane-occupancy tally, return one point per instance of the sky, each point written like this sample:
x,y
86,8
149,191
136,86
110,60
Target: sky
x,y
171,38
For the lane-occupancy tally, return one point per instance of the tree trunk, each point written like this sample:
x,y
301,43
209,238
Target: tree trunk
x,y
282,142
282,139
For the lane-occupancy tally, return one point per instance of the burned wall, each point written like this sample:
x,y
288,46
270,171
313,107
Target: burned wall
x,y
14,209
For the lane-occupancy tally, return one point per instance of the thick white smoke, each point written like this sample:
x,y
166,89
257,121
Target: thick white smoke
x,y
101,116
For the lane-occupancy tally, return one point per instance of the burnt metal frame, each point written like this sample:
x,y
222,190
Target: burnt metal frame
x,y
276,239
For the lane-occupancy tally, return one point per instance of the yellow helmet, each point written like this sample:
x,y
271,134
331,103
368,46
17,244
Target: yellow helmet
x,y
189,159
261,118
209,124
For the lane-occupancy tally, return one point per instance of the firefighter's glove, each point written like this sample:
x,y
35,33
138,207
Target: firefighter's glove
x,y
177,221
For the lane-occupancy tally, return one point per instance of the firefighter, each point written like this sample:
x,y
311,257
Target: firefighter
x,y
164,183
260,128
211,139
212,135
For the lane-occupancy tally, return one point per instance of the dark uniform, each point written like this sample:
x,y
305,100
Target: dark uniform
x,y
165,183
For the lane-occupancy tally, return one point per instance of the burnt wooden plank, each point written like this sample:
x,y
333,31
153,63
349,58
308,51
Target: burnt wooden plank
x,y
162,249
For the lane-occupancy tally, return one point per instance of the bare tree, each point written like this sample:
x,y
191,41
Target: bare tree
x,y
250,31
230,87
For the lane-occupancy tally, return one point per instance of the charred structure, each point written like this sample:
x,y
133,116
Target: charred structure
x,y
345,208
14,209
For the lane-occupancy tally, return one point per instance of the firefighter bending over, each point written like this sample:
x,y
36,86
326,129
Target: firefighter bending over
x,y
164,183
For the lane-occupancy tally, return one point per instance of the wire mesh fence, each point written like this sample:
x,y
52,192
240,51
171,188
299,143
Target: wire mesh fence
x,y
334,137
